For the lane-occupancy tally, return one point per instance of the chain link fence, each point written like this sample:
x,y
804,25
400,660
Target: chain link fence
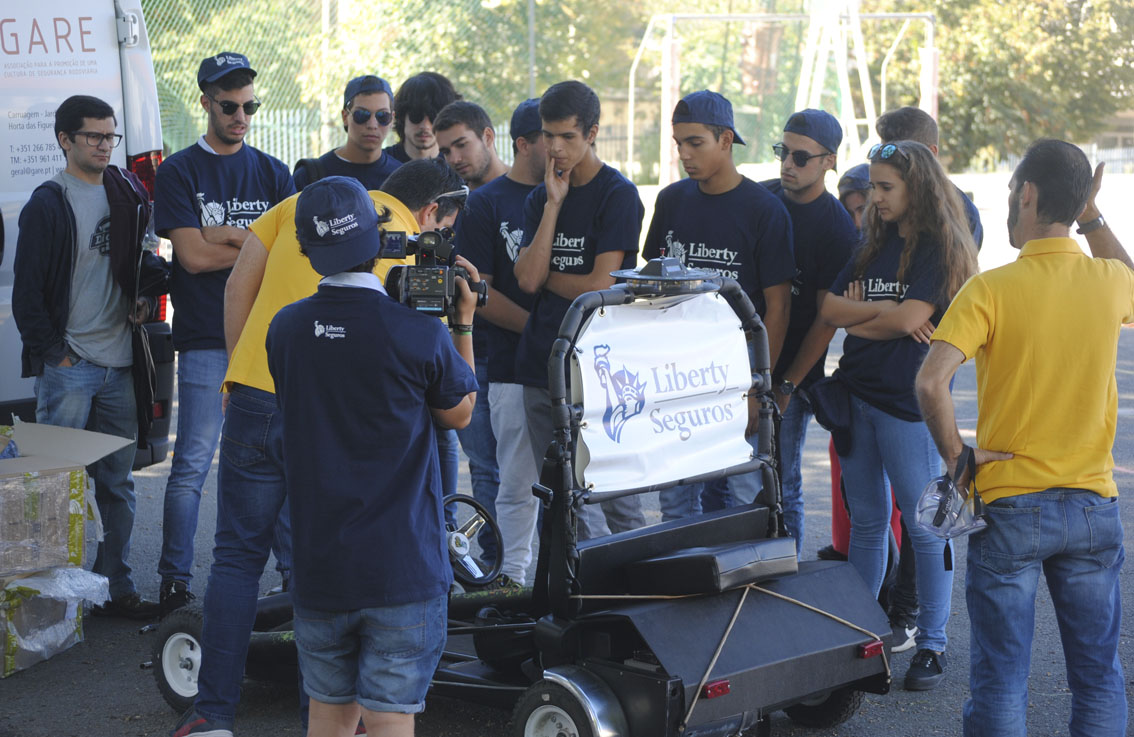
x,y
495,51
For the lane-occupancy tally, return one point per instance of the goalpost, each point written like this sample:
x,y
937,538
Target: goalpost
x,y
834,34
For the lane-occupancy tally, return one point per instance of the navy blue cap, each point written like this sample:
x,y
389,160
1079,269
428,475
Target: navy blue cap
x,y
856,179
525,119
215,67
366,84
336,223
818,125
706,108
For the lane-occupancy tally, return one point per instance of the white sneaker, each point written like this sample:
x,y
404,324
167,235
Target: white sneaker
x,y
904,631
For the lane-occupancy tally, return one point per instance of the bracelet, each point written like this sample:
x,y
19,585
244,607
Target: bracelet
x,y
1091,226
460,329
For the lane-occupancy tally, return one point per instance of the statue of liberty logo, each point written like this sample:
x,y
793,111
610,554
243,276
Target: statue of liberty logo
x,y
674,248
212,213
625,394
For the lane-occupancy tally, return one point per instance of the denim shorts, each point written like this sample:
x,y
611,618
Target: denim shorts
x,y
383,657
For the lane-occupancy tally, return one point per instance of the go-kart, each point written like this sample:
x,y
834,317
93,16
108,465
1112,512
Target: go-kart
x,y
694,627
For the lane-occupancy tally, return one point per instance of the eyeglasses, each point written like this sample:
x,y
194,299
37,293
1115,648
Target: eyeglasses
x,y
361,115
462,193
800,158
228,107
95,140
884,151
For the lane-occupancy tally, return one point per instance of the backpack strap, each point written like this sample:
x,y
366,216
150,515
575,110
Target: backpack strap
x,y
314,168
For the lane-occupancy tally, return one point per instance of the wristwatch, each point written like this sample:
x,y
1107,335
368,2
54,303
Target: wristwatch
x,y
786,387
1091,226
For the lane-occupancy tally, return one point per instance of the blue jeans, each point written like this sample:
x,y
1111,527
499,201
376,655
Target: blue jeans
x,y
92,397
250,494
793,433
200,374
1075,538
687,500
885,447
382,658
479,445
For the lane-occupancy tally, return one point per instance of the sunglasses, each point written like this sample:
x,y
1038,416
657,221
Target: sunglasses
x,y
228,107
883,151
361,115
800,158
95,140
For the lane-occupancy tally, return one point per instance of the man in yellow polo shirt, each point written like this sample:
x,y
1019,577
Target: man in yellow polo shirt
x,y
1044,331
269,274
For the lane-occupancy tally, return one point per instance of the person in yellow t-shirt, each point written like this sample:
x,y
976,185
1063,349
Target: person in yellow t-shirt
x,y
269,274
1044,332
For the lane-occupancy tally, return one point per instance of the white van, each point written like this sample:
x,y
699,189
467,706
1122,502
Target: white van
x,y
53,49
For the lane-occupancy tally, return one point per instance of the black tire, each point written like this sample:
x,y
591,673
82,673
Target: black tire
x,y
548,710
177,657
839,706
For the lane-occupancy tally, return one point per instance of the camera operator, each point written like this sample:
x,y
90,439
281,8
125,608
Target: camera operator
x,y
269,274
360,381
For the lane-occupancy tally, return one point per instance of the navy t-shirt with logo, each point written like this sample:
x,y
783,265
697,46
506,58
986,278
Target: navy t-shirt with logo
x,y
196,188
882,372
744,233
825,237
605,214
332,165
492,228
356,374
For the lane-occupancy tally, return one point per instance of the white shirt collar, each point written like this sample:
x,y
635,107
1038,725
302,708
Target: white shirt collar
x,y
354,279
205,145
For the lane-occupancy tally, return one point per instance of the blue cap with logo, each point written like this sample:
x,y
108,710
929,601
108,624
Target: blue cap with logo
x,y
856,179
818,125
706,108
215,67
525,119
366,84
336,223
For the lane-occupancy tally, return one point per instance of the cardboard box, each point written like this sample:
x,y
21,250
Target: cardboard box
x,y
43,496
41,615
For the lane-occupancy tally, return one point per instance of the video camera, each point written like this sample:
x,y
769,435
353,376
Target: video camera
x,y
429,286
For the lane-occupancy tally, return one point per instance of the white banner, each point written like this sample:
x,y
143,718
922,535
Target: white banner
x,y
663,392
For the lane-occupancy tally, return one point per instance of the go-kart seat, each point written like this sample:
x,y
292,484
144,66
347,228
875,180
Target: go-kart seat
x,y
713,569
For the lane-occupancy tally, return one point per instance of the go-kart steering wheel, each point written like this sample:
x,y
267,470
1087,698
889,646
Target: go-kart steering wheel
x,y
459,536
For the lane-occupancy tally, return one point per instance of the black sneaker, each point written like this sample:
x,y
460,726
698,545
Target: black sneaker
x,y
829,553
174,595
131,606
927,669
904,630
193,724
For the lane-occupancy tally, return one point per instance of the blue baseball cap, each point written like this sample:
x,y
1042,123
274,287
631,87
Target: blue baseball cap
x,y
818,125
706,108
366,84
336,223
525,119
215,67
856,179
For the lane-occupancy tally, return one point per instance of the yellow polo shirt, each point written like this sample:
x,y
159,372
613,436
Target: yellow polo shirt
x,y
288,277
1044,331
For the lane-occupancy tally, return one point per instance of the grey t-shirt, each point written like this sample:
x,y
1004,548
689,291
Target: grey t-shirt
x,y
97,327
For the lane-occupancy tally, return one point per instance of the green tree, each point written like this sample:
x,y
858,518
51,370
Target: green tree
x,y
1012,71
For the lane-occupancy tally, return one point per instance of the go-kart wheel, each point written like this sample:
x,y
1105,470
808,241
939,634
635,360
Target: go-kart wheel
x,y
549,710
177,657
459,537
835,708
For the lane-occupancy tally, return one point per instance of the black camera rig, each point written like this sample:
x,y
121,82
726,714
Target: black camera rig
x,y
430,285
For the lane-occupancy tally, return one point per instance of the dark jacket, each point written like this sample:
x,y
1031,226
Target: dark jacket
x,y
41,295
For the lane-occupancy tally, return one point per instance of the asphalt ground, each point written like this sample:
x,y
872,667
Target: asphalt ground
x,y
98,688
